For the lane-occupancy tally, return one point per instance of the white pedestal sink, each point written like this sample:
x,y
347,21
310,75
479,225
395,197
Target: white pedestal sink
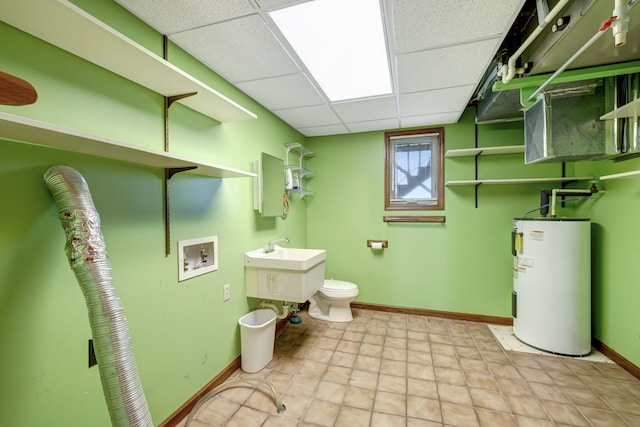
x,y
286,274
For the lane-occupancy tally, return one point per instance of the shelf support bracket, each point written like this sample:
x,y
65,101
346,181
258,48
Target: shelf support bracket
x,y
171,99
476,162
169,172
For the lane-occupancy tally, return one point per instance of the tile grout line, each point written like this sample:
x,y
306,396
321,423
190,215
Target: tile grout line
x,y
480,340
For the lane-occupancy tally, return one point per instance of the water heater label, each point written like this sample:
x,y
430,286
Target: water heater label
x,y
526,262
536,235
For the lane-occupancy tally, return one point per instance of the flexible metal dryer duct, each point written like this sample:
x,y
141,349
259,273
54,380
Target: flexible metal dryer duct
x,y
88,258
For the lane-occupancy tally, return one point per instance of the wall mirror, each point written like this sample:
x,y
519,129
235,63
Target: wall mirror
x,y
268,188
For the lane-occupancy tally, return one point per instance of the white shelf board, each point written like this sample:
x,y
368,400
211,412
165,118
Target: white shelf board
x,y
465,152
68,27
301,149
516,180
620,175
30,131
631,109
302,193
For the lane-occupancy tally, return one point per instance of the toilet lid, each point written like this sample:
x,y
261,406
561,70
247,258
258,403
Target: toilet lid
x,y
339,285
339,289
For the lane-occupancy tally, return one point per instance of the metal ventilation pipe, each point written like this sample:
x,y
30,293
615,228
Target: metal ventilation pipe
x,y
508,71
88,259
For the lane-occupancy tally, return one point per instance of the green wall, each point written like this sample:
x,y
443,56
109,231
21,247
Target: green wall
x,y
615,254
463,265
183,334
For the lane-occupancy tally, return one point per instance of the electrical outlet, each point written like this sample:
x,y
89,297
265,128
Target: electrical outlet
x,y
92,354
226,292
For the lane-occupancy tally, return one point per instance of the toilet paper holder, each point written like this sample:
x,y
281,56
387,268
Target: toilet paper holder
x,y
385,243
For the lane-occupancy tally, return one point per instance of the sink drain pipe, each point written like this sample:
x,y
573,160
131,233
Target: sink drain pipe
x,y
88,259
272,306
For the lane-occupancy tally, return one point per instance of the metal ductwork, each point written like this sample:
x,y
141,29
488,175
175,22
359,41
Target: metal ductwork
x,y
86,251
498,106
572,27
583,19
564,124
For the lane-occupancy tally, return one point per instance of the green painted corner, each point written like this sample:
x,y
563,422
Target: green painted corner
x,y
183,333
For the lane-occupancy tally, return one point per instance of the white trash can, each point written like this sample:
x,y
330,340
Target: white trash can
x,y
257,338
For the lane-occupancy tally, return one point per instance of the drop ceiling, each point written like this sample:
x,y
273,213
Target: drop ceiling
x,y
439,51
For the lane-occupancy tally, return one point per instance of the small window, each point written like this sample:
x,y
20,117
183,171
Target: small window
x,y
414,169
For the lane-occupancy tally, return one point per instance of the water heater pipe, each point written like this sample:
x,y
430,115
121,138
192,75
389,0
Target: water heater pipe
x,y
621,25
508,70
566,192
86,251
603,28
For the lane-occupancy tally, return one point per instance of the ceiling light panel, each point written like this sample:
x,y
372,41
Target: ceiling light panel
x,y
241,49
170,16
341,43
281,92
445,67
423,25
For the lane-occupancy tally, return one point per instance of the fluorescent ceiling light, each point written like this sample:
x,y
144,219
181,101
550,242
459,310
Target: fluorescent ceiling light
x,y
341,43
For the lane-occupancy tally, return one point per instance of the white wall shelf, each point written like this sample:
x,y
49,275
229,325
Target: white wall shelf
x,y
632,109
516,181
68,27
620,175
302,171
479,151
299,148
302,193
297,168
30,131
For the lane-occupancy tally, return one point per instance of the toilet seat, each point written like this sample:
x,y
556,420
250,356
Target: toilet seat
x,y
339,289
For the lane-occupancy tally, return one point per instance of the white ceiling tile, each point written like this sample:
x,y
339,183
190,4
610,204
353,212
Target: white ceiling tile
x,y
445,67
430,119
373,125
420,25
170,16
276,93
441,50
366,109
270,5
239,50
323,130
320,115
435,101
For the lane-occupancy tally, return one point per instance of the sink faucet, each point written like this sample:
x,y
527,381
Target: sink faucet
x,y
270,246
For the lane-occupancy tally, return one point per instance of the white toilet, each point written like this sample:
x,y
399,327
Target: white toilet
x,y
332,301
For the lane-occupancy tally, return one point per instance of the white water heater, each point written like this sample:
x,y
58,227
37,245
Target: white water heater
x,y
551,299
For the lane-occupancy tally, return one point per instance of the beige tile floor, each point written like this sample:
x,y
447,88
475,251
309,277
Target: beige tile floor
x,y
387,369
